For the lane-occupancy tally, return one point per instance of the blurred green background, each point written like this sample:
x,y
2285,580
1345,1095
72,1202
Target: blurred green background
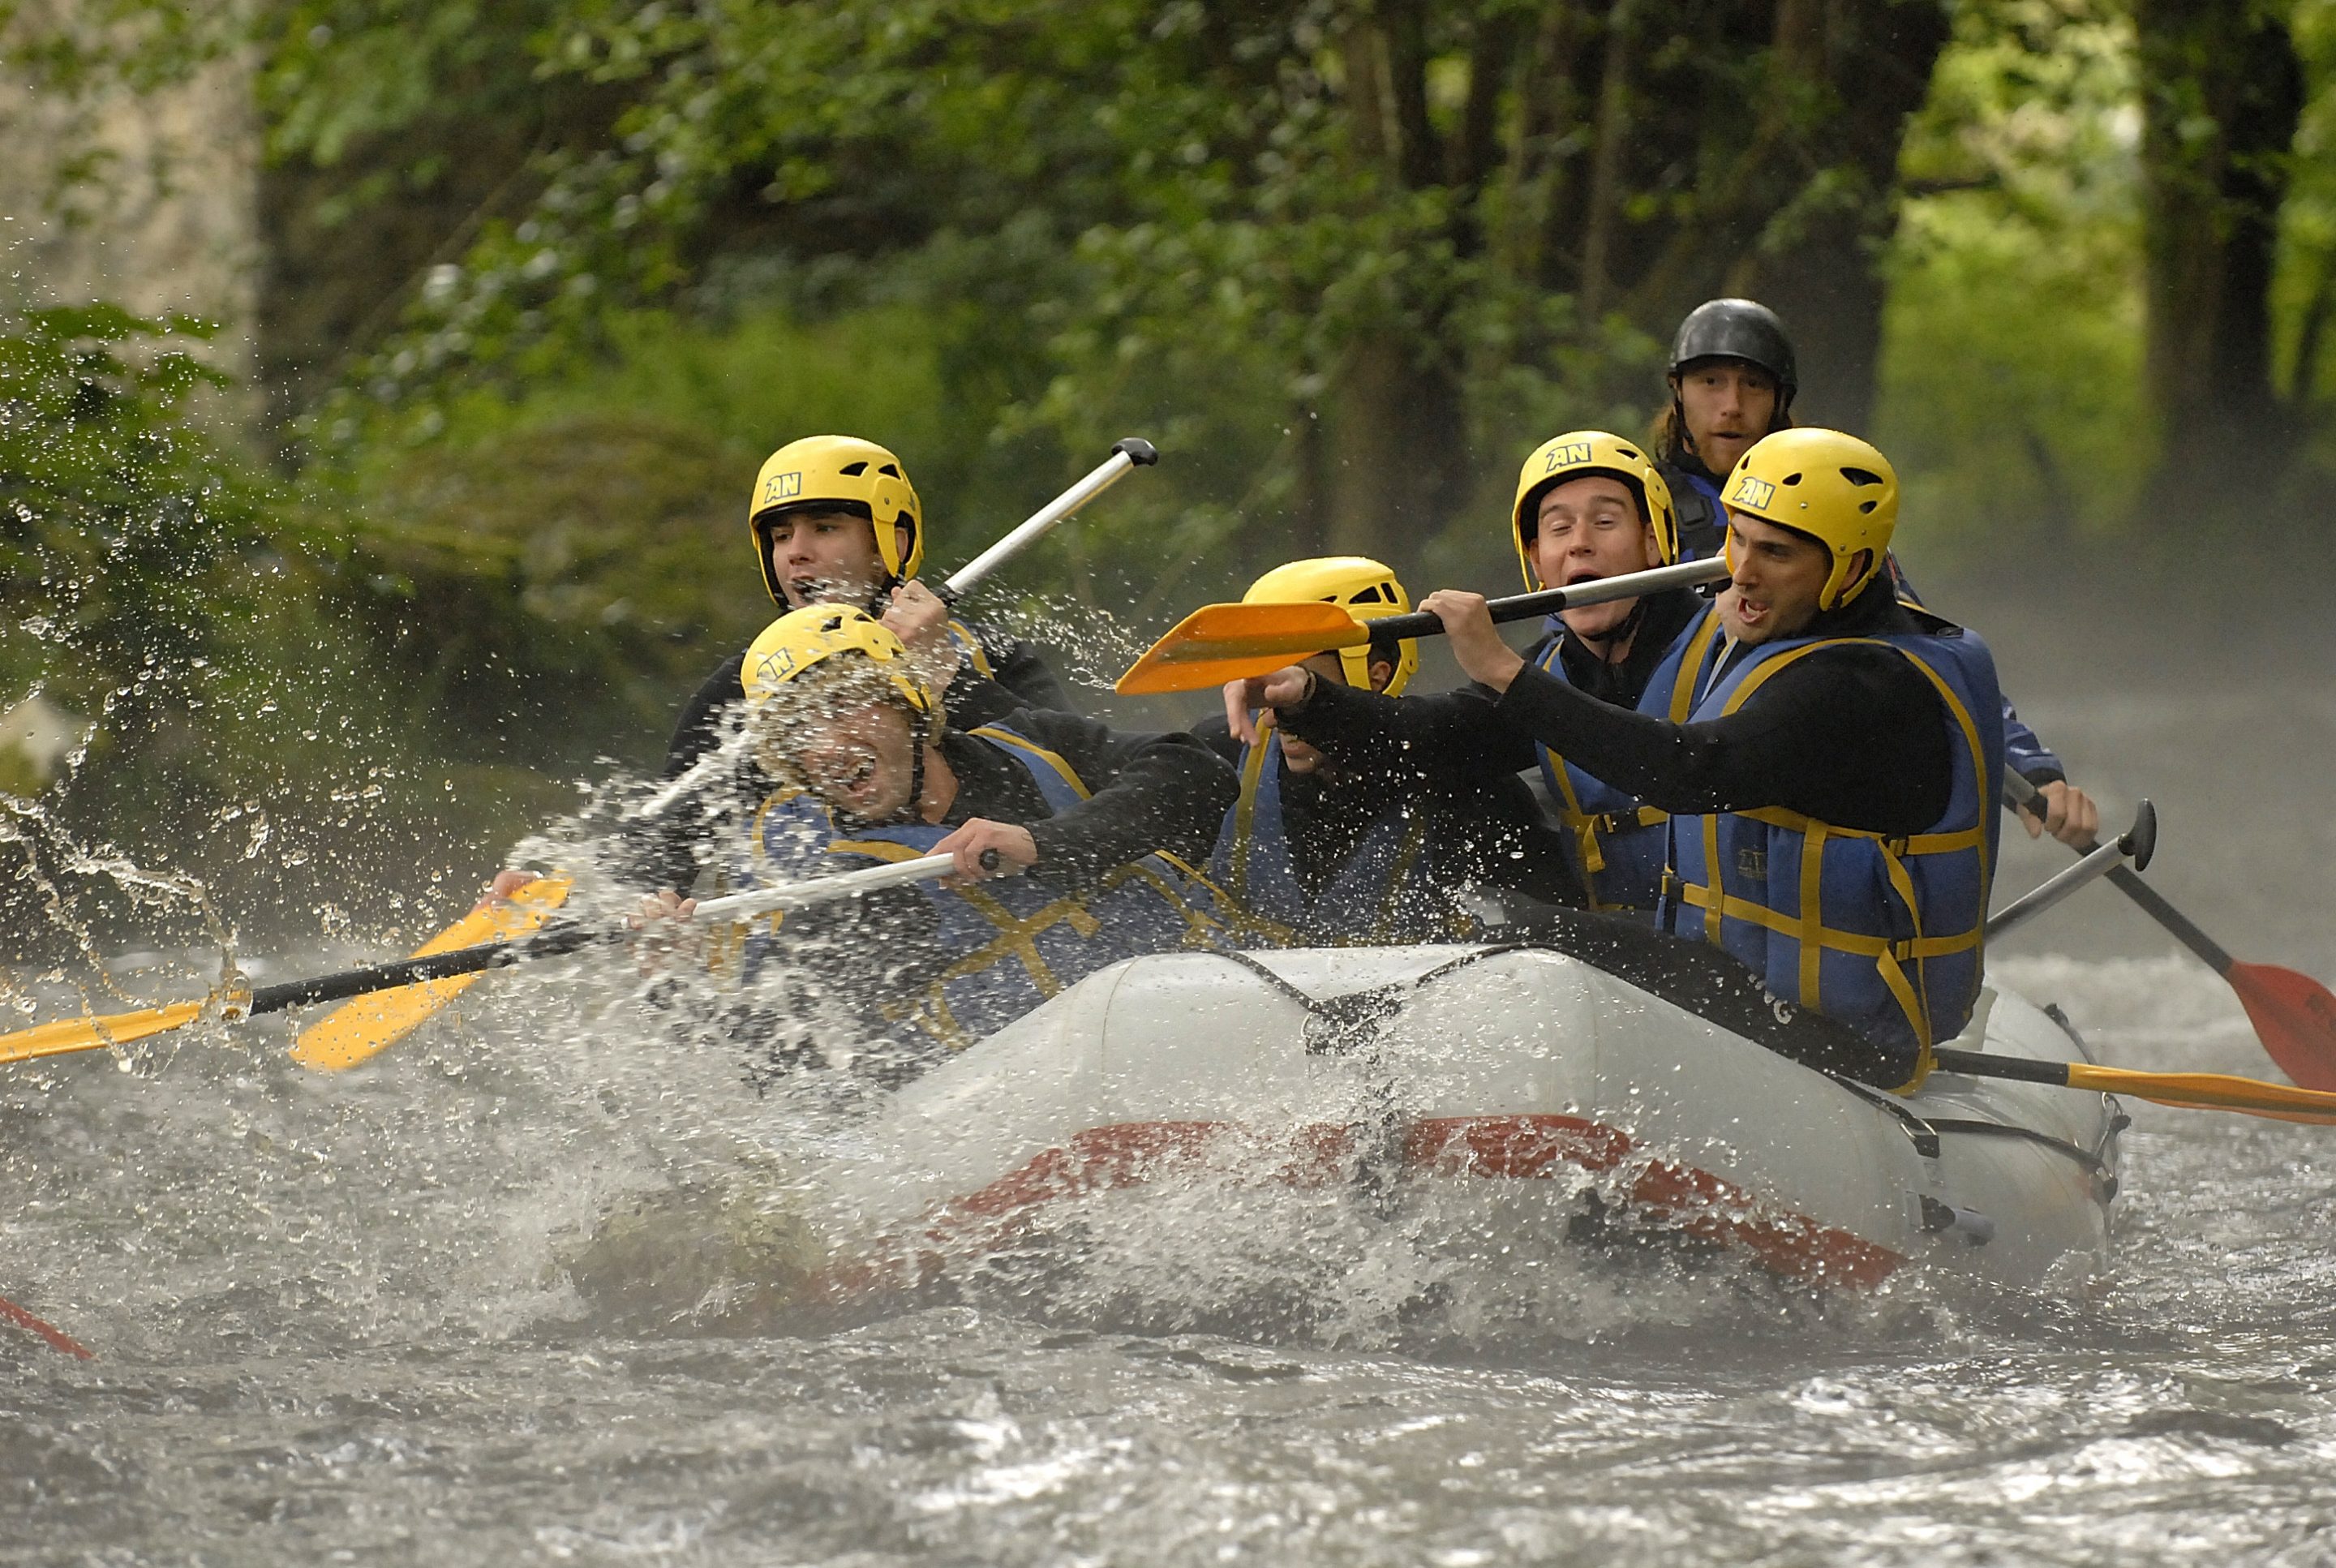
x,y
387,515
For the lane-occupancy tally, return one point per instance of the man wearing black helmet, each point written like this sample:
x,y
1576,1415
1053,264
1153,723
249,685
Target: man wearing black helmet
x,y
1732,381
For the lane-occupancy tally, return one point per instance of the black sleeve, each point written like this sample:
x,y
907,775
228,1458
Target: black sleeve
x,y
699,728
1152,792
1370,729
1852,735
661,851
1015,665
973,699
1215,734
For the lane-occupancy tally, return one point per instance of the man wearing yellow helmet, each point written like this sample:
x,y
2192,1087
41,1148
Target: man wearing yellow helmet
x,y
1733,378
1368,849
1835,784
859,764
835,521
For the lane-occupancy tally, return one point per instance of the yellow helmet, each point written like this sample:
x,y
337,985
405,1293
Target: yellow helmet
x,y
855,475
1832,487
1585,452
1363,587
803,639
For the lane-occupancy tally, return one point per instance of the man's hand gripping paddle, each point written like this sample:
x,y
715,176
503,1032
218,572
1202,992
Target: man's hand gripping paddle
x,y
2293,1015
1222,642
235,1003
362,1030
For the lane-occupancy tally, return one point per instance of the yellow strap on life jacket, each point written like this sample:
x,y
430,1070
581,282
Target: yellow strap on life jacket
x,y
1808,928
1691,669
1590,829
1037,753
1252,775
976,655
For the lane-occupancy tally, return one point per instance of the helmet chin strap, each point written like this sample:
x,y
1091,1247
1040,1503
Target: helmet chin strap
x,y
920,729
1624,628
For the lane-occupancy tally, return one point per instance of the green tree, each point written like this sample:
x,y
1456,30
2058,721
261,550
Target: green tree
x,y
1363,249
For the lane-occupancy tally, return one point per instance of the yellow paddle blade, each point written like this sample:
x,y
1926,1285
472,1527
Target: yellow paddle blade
x,y
93,1033
2209,1092
1221,642
358,1030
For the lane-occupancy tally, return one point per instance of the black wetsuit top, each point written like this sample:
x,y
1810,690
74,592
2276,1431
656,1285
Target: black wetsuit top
x,y
1702,526
1481,822
1662,617
1852,735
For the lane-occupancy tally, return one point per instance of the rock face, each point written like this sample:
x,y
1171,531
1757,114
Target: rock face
x,y
146,197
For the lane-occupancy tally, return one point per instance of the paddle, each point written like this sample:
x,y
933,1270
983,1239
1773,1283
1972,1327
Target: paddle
x,y
1221,642
362,1030
349,1035
234,1004
2293,1015
1126,456
2138,844
2184,1090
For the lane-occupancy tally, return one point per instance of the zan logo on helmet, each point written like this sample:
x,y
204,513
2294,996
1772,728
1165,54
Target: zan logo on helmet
x,y
782,487
775,667
1754,492
1570,455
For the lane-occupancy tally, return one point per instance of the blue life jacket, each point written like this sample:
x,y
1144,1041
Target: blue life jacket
x,y
1011,942
1883,934
1619,839
1389,888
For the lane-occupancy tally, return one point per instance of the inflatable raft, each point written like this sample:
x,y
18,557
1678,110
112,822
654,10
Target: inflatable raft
x,y
1476,1067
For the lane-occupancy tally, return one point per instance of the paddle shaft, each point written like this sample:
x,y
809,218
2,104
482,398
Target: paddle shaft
x,y
1550,600
559,940
2129,883
2184,1090
2021,1069
1126,456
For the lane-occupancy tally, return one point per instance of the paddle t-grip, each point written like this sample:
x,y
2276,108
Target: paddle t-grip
x,y
2212,953
1127,454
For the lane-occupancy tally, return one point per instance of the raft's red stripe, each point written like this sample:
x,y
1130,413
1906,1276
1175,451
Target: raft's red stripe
x,y
55,1336
1520,1147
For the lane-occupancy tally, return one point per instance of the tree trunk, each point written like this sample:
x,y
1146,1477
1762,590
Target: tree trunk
x,y
2222,92
1799,216
1395,453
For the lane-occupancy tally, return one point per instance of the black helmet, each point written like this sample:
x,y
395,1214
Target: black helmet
x,y
1737,329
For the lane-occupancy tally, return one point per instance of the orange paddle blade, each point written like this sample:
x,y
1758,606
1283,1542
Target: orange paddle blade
x,y
2209,1092
2295,1016
358,1030
95,1033
1221,642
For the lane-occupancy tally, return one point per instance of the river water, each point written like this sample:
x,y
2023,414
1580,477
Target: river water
x,y
512,1293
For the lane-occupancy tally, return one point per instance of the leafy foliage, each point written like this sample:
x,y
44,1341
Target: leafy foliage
x,y
2012,380
116,508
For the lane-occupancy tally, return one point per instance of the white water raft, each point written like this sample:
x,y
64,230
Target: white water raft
x,y
1513,1065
